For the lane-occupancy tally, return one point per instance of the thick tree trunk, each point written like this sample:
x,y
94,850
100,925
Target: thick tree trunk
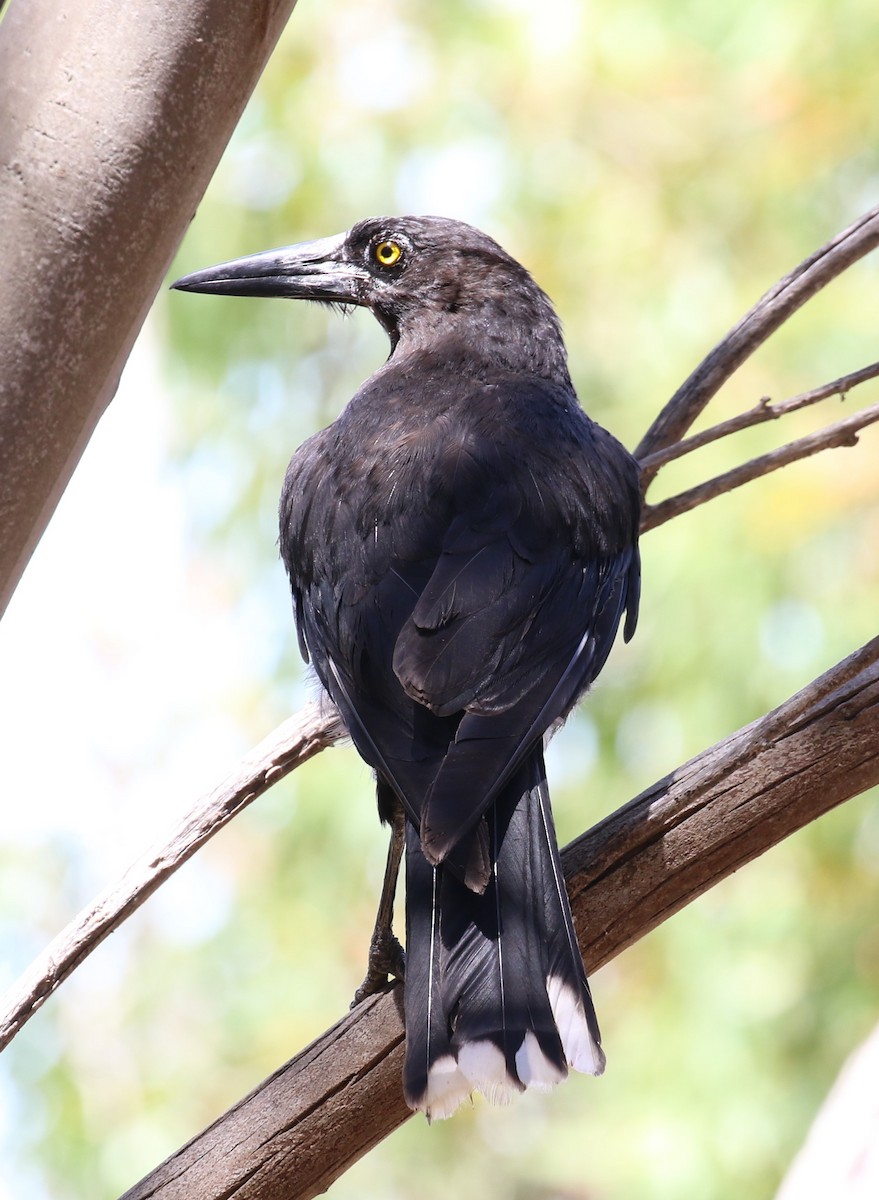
x,y
114,119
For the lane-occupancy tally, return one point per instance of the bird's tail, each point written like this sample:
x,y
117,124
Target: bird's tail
x,y
496,997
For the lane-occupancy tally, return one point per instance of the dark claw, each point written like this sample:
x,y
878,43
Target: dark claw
x,y
386,957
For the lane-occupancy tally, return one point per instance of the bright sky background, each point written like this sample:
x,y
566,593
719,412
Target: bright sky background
x,y
111,654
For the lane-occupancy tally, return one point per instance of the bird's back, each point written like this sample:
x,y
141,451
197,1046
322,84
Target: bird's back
x,y
447,539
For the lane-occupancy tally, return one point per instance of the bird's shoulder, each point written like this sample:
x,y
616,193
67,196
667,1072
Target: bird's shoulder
x,y
423,446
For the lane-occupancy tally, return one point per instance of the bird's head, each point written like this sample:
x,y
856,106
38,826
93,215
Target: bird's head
x,y
425,279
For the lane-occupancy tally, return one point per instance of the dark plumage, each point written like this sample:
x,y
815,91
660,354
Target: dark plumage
x,y
462,546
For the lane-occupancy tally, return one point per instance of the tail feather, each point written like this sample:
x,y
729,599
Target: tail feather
x,y
496,995
429,1056
567,985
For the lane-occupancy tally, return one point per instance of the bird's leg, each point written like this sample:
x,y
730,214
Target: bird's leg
x,y
386,955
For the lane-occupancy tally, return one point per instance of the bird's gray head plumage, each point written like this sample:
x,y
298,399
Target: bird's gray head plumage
x,y
427,280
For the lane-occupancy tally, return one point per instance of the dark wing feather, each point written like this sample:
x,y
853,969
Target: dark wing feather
x,y
456,602
511,710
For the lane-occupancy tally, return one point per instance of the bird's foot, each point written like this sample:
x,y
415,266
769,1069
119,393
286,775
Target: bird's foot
x,y
386,957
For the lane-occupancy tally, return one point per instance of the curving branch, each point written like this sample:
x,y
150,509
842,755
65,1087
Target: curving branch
x,y
768,314
325,1108
764,410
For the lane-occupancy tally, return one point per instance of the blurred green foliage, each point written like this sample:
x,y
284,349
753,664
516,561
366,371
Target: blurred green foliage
x,y
657,166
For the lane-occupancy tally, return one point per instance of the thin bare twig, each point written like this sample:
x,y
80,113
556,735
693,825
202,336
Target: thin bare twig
x,y
842,433
317,726
767,315
763,410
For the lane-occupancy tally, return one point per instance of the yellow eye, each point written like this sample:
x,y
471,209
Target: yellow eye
x,y
387,253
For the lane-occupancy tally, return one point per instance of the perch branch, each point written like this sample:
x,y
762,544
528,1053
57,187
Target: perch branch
x,y
841,433
770,312
305,1125
763,410
291,744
